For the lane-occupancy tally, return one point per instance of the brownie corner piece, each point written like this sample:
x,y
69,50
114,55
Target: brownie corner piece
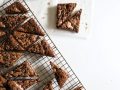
x,y
48,86
73,23
60,74
63,12
16,8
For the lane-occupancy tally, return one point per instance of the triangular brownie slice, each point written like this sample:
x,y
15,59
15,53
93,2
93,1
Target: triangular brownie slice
x,y
12,45
31,27
48,86
60,75
42,48
2,34
16,8
9,58
25,39
23,70
64,11
73,22
12,21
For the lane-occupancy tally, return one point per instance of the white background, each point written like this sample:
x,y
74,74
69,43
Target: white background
x,y
96,60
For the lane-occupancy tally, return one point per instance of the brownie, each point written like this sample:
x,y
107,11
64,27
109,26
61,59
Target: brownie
x,y
72,24
64,11
31,27
12,45
78,88
2,82
48,86
9,58
2,33
42,48
16,8
23,70
12,21
2,25
60,75
25,39
14,85
2,45
48,49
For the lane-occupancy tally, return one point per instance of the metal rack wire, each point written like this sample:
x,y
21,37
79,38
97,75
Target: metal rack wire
x,y
42,63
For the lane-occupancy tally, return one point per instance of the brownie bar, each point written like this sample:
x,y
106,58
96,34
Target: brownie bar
x,y
14,85
60,75
73,22
31,27
12,45
64,11
16,8
12,21
42,48
2,33
9,58
25,39
23,70
48,86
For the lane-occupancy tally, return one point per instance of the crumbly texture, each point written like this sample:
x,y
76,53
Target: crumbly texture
x,y
48,86
60,75
64,11
31,27
12,21
78,88
25,39
2,82
47,48
9,58
2,46
16,8
14,85
24,70
12,45
2,33
72,24
42,48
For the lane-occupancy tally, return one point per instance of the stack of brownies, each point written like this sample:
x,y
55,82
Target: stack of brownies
x,y
20,34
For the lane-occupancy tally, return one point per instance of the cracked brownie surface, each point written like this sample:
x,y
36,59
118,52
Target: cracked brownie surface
x,y
31,27
60,75
48,86
25,39
73,22
64,11
16,8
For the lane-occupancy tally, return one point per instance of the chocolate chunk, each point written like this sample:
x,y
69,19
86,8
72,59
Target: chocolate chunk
x,y
60,75
16,8
64,11
12,21
72,24
23,70
48,86
25,39
31,27
9,58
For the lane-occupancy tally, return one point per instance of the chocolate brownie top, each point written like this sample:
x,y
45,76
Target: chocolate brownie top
x,y
12,21
9,58
31,27
2,33
60,75
12,45
73,22
16,8
48,86
64,11
25,39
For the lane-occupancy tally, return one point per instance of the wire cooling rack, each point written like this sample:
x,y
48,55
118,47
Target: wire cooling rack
x,y
42,63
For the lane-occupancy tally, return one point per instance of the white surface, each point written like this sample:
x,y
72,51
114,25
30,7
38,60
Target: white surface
x,y
96,60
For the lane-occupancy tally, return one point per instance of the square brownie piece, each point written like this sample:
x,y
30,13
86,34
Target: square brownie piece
x,y
64,11
16,8
25,39
31,27
9,58
23,70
